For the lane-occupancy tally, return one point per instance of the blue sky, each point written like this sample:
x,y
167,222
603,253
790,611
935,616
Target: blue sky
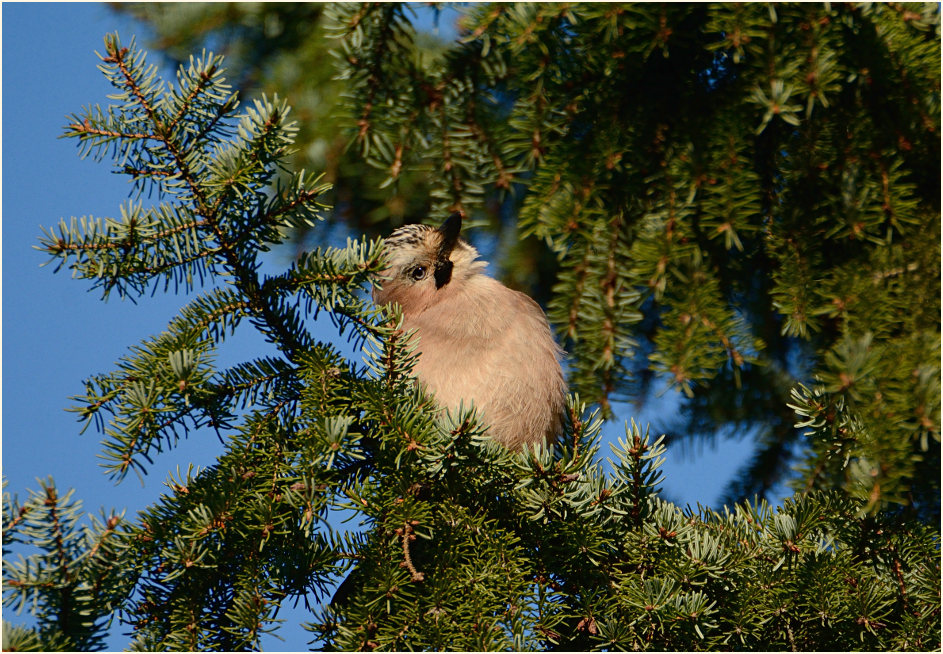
x,y
56,333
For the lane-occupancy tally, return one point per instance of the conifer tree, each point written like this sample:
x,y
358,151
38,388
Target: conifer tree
x,y
726,198
745,213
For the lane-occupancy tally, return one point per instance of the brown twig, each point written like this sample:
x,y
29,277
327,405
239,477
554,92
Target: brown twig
x,y
406,533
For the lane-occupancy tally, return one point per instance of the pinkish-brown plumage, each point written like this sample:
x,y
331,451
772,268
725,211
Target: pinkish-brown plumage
x,y
478,340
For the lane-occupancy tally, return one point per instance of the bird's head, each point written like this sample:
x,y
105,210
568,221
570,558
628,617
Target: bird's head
x,y
425,263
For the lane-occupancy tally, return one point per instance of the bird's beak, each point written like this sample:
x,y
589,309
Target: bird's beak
x,y
449,230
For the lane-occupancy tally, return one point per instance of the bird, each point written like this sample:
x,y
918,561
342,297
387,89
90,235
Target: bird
x,y
478,340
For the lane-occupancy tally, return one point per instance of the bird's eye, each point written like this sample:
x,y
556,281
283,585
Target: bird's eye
x,y
418,272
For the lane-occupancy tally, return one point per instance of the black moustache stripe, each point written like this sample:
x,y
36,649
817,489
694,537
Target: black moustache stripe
x,y
443,273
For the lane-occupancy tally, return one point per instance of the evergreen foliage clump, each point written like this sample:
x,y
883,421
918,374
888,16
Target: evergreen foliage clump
x,y
740,198
742,225
714,197
282,48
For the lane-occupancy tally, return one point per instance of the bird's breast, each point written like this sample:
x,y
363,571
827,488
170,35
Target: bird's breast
x,y
496,351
